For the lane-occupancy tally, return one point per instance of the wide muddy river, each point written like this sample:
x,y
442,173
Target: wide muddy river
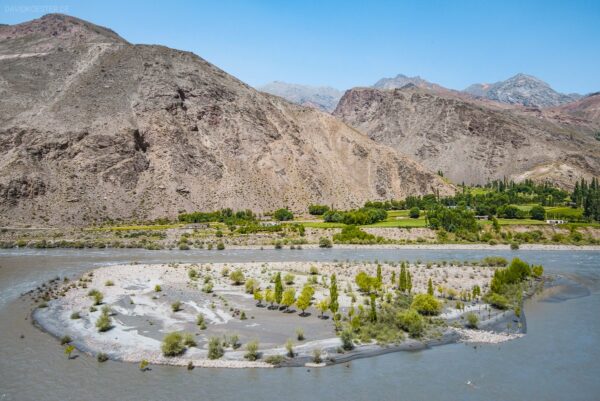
x,y
558,359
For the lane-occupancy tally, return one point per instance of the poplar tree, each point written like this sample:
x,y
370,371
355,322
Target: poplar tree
x,y
333,295
278,289
430,287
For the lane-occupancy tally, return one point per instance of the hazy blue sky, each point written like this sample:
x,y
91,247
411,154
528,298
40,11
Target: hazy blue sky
x,y
354,43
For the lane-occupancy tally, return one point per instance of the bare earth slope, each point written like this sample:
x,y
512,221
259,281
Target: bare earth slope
x,y
94,127
472,141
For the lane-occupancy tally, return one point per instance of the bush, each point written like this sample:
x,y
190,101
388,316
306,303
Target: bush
x,y
189,340
237,277
274,359
65,340
317,355
537,271
538,213
109,283
354,235
101,357
172,344
103,323
300,334
318,210
157,288
472,320
497,300
220,246
514,246
288,279
252,351
411,322
75,315
289,346
97,296
176,306
346,337
215,348
201,322
251,286
414,213
325,242
426,304
283,215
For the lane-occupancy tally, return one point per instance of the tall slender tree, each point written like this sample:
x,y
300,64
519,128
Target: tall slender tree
x,y
278,289
333,295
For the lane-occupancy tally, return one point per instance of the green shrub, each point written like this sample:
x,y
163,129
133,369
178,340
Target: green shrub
x,y
497,300
215,348
414,213
172,344
538,212
317,355
472,320
251,286
283,215
109,283
103,323
101,357
346,336
65,340
274,359
220,246
176,306
537,271
252,351
75,315
426,304
411,322
325,242
157,288
189,340
318,210
237,277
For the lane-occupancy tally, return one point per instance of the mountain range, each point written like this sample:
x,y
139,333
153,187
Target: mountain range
x,y
473,141
519,90
323,98
93,127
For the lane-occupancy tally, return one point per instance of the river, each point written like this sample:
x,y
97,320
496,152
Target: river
x,y
558,359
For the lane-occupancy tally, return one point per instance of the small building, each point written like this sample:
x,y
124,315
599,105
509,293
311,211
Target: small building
x,y
482,217
555,222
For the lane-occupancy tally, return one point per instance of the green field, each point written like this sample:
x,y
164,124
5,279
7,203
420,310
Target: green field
x,y
564,212
404,223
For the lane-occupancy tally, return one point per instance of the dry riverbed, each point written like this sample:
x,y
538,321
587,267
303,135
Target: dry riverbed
x,y
141,297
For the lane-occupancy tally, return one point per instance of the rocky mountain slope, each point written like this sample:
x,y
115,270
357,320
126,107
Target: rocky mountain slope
x,y
93,127
521,89
586,108
472,141
323,98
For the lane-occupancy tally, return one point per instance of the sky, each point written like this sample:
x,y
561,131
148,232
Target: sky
x,y
355,43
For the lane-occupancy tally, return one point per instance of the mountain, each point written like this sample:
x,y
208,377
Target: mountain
x,y
587,108
323,98
472,141
523,90
93,127
401,80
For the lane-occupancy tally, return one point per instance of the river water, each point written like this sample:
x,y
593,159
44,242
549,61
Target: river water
x,y
558,359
